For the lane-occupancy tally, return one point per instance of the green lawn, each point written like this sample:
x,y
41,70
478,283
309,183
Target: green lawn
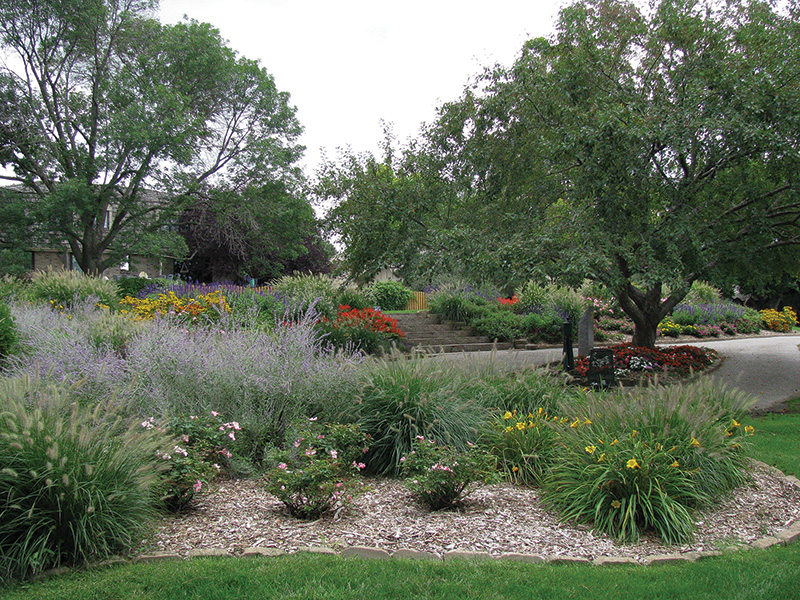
x,y
773,573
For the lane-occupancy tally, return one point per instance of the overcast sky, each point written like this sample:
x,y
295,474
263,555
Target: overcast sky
x,y
350,64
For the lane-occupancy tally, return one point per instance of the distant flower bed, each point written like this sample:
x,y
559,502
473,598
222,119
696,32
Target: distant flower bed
x,y
679,360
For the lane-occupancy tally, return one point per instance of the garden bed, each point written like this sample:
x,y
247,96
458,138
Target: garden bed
x,y
495,519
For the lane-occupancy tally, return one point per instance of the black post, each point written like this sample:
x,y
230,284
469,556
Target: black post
x,y
569,358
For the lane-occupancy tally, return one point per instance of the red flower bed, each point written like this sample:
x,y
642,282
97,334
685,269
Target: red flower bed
x,y
367,318
670,359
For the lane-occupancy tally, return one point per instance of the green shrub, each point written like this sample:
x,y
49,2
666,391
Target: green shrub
x,y
645,459
406,398
390,295
451,306
8,332
749,322
546,326
354,299
131,286
305,290
500,325
76,482
13,288
441,476
65,287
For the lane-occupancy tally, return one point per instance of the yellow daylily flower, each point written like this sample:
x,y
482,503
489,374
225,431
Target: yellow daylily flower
x,y
675,464
590,449
735,423
616,441
602,457
575,423
520,426
616,503
507,415
694,443
587,421
632,464
748,429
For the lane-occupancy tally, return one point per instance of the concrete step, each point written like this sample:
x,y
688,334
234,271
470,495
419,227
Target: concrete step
x,y
426,333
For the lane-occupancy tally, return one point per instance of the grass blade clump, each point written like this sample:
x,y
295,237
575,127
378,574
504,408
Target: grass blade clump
x,y
643,460
403,399
76,481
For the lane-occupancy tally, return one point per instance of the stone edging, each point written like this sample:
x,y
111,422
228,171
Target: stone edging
x,y
787,536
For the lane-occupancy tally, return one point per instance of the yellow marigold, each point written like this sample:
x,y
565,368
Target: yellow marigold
x,y
632,464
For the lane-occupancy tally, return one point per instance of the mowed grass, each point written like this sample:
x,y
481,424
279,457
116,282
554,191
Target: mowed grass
x,y
772,574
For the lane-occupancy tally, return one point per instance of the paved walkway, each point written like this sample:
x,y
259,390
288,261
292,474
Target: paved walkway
x,y
766,367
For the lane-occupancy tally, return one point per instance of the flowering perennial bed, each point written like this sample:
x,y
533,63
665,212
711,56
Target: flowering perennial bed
x,y
678,360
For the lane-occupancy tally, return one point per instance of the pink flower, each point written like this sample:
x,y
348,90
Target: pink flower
x,y
359,465
313,419
214,413
334,454
198,486
232,436
282,466
310,452
216,466
297,443
185,439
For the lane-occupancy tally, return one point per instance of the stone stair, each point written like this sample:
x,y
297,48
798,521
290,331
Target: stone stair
x,y
426,333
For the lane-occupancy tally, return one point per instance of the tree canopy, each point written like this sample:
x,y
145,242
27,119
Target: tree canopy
x,y
99,103
638,147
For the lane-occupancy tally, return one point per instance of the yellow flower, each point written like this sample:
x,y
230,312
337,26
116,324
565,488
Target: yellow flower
x,y
509,429
675,464
507,415
520,426
541,410
632,464
590,449
587,421
735,423
616,503
616,441
515,469
694,443
748,429
575,423
633,435
602,457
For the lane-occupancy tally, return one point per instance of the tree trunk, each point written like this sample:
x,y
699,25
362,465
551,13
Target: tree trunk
x,y
646,309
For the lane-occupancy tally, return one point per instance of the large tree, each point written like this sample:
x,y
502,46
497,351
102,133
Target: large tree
x,y
638,147
101,103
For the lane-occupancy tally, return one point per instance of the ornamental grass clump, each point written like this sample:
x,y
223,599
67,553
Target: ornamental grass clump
x,y
76,482
389,295
403,399
68,287
441,476
638,461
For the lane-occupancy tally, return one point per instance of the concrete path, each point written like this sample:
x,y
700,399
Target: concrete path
x,y
765,367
